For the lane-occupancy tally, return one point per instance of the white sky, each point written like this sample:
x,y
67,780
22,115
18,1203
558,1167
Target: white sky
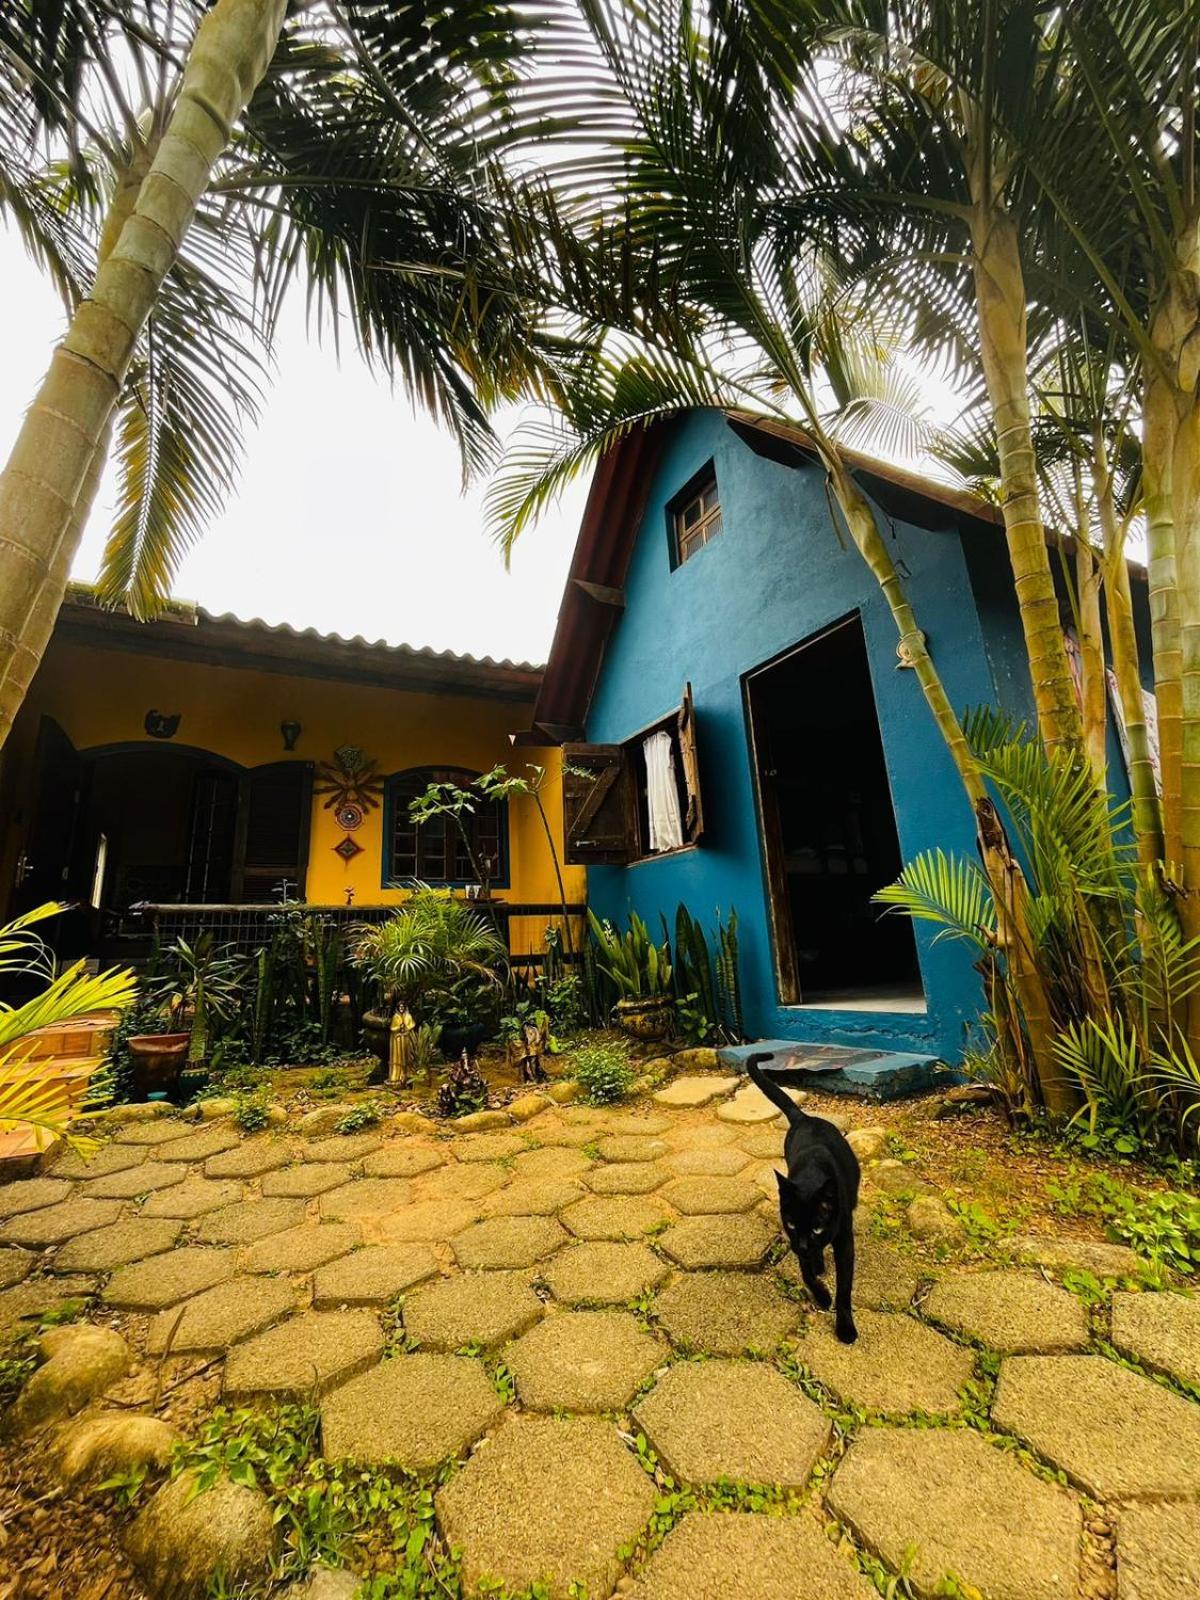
x,y
349,517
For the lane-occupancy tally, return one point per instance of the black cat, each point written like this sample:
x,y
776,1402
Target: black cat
x,y
817,1197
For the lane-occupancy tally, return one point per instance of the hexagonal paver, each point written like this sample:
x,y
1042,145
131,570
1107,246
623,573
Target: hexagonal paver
x,y
684,1093
108,1158
15,1265
301,1249
583,1361
628,1177
55,1223
194,1197
479,1308
765,1145
221,1317
622,1217
1079,1255
402,1160
508,1242
1009,1311
1158,1552
726,1241
165,1280
603,1274
1112,1431
249,1221
748,1107
733,1419
306,1179
342,1147
725,1313
632,1147
470,1181
489,1146
897,1365
106,1248
1162,1331
630,1124
702,1136
249,1160
713,1556
142,1179
424,1222
884,1278
937,1502
711,1196
366,1197
199,1146
551,1163
155,1130
510,1530
32,1194
416,1411
709,1163
559,1135
532,1197
306,1355
373,1276
23,1304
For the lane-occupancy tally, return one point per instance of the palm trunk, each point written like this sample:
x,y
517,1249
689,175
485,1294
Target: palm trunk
x,y
1143,788
1158,448
1000,303
42,504
1091,656
1009,890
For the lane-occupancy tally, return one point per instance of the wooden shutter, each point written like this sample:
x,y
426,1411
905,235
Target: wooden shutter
x,y
693,819
599,821
274,820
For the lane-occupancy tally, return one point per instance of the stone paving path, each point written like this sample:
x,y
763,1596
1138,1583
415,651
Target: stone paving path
x,y
573,1304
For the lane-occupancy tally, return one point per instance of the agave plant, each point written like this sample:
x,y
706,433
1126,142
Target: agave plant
x,y
26,1098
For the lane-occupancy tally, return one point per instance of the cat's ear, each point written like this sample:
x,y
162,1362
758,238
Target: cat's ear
x,y
784,1182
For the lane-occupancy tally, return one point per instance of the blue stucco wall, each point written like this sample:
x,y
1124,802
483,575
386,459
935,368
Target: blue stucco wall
x,y
776,575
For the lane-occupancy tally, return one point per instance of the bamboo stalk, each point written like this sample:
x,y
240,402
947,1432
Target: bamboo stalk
x,y
42,505
1091,656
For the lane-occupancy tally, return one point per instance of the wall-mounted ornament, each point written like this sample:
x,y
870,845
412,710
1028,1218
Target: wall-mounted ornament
x,y
351,776
162,724
347,848
290,732
349,815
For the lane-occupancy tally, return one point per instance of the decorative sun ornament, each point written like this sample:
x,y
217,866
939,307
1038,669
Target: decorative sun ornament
x,y
351,778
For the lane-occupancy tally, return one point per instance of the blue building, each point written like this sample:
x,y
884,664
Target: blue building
x,y
717,636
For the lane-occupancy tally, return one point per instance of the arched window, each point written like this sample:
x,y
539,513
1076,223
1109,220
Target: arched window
x,y
434,851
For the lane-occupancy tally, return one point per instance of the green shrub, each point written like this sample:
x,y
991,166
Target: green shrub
x,y
1163,1225
363,1116
250,1113
604,1070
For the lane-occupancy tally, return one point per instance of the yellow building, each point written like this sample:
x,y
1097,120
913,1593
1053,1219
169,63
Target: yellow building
x,y
205,761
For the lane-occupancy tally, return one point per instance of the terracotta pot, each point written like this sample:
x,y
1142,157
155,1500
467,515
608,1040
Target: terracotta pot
x,y
646,1019
158,1059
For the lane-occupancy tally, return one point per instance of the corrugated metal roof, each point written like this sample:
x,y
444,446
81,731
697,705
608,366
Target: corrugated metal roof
x,y
427,652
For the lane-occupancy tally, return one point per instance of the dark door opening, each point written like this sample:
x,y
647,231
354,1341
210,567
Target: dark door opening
x,y
829,830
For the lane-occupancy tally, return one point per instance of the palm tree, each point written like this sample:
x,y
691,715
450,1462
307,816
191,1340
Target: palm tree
x,y
673,229
339,152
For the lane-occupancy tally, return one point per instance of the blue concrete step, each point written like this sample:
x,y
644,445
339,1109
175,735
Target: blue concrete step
x,y
873,1074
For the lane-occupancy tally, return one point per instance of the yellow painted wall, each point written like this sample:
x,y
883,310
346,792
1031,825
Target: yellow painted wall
x,y
101,697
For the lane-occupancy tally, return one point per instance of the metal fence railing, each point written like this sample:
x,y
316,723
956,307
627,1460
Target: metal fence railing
x,y
247,928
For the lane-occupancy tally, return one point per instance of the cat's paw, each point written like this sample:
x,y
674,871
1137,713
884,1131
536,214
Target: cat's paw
x,y
845,1329
821,1295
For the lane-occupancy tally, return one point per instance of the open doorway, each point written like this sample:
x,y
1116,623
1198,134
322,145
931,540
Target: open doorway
x,y
829,830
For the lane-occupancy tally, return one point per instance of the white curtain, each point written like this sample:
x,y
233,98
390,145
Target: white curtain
x,y
662,793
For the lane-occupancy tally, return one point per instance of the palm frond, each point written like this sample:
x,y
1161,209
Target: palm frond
x,y
947,890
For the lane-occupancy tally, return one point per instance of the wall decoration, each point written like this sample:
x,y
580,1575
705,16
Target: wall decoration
x,y
347,848
349,815
290,732
162,724
352,776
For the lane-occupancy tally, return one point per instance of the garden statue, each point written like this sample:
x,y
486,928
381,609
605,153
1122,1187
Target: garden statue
x,y
400,1047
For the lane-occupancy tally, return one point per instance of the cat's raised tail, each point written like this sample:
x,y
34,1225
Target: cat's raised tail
x,y
772,1087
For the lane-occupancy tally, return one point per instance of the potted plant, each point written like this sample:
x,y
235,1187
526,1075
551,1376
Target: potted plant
x,y
441,959
200,989
641,971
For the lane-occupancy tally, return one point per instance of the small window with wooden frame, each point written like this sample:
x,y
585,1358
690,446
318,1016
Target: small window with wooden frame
x,y
694,515
637,800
